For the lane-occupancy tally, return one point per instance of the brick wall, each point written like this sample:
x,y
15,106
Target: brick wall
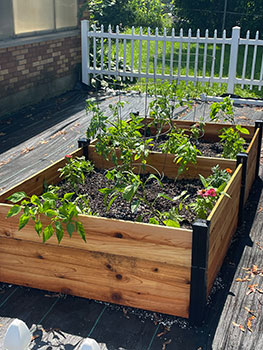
x,y
30,65
32,72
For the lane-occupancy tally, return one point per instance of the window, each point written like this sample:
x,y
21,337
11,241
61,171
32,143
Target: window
x,y
18,17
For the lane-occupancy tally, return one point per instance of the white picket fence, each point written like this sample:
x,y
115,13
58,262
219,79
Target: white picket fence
x,y
188,58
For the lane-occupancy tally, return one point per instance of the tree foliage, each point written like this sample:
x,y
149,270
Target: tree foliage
x,y
209,14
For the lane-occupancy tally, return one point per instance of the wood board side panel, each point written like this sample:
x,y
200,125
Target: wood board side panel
x,y
133,282
161,163
34,184
113,236
223,224
211,129
251,163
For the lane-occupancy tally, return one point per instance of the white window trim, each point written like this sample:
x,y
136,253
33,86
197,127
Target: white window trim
x,y
19,41
29,36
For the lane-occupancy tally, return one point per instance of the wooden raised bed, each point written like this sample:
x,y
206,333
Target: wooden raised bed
x,y
153,267
164,162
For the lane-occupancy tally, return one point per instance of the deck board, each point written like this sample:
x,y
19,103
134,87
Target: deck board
x,y
66,321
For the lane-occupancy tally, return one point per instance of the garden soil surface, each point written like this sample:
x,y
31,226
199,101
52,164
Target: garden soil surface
x,y
121,209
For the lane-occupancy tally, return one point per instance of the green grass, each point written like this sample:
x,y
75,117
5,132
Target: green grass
x,y
213,88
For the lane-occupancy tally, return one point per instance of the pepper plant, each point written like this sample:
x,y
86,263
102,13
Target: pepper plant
x,y
62,212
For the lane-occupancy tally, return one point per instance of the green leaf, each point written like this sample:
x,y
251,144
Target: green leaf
x,y
49,195
23,220
135,205
38,227
59,231
153,221
17,197
171,223
129,192
47,233
35,200
110,202
242,129
70,228
68,196
14,210
51,213
203,180
80,230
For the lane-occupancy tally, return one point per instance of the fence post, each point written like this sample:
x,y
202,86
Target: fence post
x,y
233,59
85,51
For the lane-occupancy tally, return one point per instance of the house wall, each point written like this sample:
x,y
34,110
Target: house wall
x,y
34,70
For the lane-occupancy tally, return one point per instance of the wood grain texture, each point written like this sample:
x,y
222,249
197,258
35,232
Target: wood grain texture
x,y
251,163
164,164
34,184
223,223
71,270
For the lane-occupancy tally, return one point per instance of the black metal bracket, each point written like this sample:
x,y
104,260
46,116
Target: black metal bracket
x,y
198,290
258,124
242,158
83,142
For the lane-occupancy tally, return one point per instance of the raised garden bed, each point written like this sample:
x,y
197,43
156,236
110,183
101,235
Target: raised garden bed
x,y
165,162
163,269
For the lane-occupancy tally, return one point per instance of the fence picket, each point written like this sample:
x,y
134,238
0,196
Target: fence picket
x,y
148,53
117,49
245,60
132,52
180,53
213,57
172,54
101,49
164,51
222,57
94,49
109,51
254,60
178,64
140,52
205,54
196,55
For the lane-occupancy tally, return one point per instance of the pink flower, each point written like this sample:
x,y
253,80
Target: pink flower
x,y
202,193
211,192
68,156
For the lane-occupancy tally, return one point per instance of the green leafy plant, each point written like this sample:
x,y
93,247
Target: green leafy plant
x,y
222,110
180,145
232,140
213,187
75,169
62,212
197,130
132,188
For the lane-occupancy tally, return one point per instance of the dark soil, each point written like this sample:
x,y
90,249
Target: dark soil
x,y
120,209
207,148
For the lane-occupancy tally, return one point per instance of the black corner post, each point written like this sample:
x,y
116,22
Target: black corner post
x,y
83,142
242,158
258,125
198,291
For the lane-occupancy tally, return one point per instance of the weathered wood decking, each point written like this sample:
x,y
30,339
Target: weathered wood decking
x,y
37,136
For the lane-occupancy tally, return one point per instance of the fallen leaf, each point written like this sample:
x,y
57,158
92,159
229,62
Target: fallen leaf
x,y
252,288
59,133
26,150
166,343
250,311
249,323
242,117
2,133
260,290
43,142
260,209
260,246
243,279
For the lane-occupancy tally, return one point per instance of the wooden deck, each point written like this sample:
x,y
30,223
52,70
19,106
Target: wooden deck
x,y
39,135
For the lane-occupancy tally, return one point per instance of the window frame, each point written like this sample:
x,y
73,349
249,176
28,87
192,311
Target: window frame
x,y
12,35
